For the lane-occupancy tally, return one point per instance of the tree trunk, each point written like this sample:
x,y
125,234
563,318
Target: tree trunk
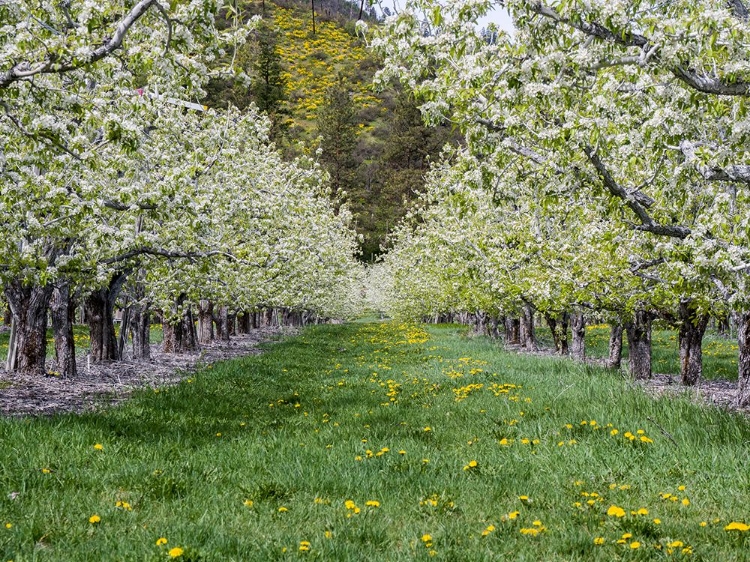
x,y
232,324
639,345
559,331
692,328
743,339
189,341
7,317
528,337
205,321
615,346
244,323
140,329
124,329
29,308
100,306
63,316
512,331
222,324
170,336
578,325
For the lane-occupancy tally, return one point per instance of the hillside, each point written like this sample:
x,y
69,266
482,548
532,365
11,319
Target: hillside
x,y
317,88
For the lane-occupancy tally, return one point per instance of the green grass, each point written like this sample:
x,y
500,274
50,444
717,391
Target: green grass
x,y
292,429
719,353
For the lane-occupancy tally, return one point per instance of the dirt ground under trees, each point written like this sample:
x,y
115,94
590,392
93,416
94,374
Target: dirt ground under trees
x,y
106,384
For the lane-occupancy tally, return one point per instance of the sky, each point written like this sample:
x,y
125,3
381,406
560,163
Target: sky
x,y
498,16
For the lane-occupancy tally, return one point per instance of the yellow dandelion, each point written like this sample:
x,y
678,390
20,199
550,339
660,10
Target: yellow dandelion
x,y
248,503
372,503
282,509
176,552
599,541
635,544
615,511
737,526
99,447
94,519
161,541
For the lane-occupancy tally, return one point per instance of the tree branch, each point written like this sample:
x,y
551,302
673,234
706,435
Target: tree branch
x,y
648,224
700,82
148,251
27,69
733,173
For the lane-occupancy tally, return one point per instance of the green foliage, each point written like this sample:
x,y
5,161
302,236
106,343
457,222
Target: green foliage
x,y
336,125
255,458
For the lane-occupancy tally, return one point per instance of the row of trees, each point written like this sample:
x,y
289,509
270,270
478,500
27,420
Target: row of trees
x,y
605,172
113,187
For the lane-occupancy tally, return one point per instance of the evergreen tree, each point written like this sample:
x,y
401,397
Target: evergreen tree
x,y
269,85
336,125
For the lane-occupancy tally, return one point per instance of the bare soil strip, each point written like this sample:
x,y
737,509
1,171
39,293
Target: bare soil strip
x,y
106,384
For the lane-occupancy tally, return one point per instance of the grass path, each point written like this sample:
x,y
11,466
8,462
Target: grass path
x,y
380,442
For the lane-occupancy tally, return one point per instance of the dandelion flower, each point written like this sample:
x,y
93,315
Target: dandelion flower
x,y
283,509
737,526
426,538
635,544
248,503
161,541
9,525
99,447
599,541
615,511
176,552
304,546
372,503
94,519
685,501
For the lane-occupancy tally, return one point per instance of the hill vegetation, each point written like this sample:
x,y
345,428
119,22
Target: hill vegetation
x,y
317,88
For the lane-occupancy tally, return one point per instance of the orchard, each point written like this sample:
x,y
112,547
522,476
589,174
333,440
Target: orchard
x,y
588,215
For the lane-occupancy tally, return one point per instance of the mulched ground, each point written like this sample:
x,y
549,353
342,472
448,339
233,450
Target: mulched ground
x,y
109,383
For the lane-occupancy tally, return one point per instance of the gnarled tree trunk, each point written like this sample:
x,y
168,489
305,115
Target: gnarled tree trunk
x,y
692,328
615,346
99,307
578,328
743,339
63,316
28,305
179,334
205,321
559,330
639,344
140,329
513,331
528,337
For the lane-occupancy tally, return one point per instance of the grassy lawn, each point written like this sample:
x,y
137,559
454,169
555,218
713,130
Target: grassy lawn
x,y
380,442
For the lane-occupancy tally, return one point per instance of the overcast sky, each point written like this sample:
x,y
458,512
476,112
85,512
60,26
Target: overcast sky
x,y
498,16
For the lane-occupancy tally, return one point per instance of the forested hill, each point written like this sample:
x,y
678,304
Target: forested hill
x,y
316,85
